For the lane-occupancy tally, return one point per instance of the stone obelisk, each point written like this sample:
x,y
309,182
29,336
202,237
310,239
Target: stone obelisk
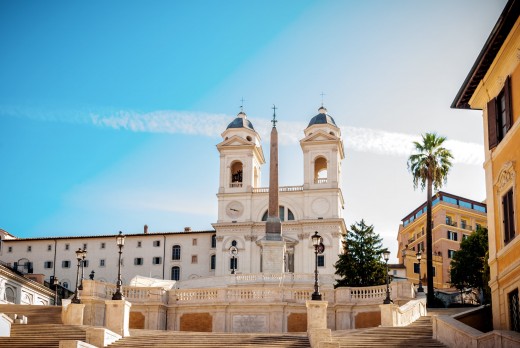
x,y
273,245
273,227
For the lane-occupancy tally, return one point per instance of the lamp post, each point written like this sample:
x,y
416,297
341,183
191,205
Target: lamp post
x,y
79,257
233,251
83,256
419,256
386,256
317,242
120,241
55,283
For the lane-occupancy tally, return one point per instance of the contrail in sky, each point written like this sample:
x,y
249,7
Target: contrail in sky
x,y
205,124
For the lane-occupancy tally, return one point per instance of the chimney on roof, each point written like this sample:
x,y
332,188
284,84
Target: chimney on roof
x,y
145,229
187,229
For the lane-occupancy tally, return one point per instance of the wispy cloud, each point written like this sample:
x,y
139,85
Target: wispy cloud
x,y
212,125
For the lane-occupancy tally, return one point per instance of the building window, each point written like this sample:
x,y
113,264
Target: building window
x,y
10,295
176,252
102,263
10,249
233,263
194,259
236,174
282,209
499,112
49,247
416,268
156,243
478,226
464,236
85,263
65,285
47,264
214,241
138,261
514,311
176,273
508,216
463,224
103,245
65,264
452,235
194,241
67,246
321,260
213,262
139,244
29,248
157,260
234,243
451,253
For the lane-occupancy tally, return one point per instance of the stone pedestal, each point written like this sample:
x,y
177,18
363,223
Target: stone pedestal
x,y
273,253
72,314
316,314
117,316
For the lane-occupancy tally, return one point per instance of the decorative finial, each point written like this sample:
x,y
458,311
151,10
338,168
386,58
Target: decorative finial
x,y
274,116
322,94
242,104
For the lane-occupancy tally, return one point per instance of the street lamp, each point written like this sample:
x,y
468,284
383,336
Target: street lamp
x,y
419,256
386,256
83,256
55,283
79,257
317,242
233,251
120,241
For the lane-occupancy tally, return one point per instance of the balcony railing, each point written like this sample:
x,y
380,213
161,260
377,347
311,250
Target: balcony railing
x,y
280,189
451,223
320,181
235,184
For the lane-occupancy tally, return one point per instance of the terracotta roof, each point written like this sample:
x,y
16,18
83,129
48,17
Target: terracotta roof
x,y
496,39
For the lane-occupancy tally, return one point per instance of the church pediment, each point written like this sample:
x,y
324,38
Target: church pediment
x,y
235,141
319,136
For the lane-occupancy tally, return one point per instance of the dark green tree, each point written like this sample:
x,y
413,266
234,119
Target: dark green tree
x,y
469,264
429,165
361,264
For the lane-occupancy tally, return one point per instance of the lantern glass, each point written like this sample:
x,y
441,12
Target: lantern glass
x,y
386,255
316,239
120,239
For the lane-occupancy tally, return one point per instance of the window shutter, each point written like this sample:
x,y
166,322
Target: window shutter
x,y
492,123
509,108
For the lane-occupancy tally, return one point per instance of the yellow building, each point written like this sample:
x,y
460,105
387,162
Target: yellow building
x,y
454,218
493,85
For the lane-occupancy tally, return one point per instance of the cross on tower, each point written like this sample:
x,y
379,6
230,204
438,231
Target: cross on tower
x,y
322,94
274,116
242,104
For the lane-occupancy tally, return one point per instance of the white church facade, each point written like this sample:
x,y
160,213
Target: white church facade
x,y
199,256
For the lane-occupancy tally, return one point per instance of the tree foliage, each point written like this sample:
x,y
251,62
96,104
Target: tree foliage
x,y
430,159
360,264
469,264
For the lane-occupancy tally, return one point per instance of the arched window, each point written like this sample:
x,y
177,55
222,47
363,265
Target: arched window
x,y
176,252
213,262
214,241
10,295
283,213
320,170
236,174
234,243
176,273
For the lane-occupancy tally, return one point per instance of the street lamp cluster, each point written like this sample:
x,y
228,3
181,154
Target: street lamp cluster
x,y
386,257
81,254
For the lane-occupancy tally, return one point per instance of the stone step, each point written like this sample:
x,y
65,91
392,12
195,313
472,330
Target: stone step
x,y
204,340
35,314
42,336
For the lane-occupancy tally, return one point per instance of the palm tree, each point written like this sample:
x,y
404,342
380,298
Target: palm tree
x,y
429,166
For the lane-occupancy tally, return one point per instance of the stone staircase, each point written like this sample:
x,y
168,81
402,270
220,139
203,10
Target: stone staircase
x,y
418,334
35,314
163,339
42,335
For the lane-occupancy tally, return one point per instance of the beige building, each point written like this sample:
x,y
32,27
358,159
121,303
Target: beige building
x,y
454,218
493,86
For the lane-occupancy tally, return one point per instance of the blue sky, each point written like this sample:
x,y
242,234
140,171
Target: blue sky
x,y
110,111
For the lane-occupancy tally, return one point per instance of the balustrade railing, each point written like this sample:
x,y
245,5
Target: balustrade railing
x,y
280,189
320,181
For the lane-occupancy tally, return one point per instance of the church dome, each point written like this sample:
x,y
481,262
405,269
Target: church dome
x,y
322,118
241,121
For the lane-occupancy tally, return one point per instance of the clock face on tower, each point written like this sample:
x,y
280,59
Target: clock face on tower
x,y
234,209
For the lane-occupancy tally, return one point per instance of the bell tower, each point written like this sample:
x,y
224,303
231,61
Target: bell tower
x,y
322,152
